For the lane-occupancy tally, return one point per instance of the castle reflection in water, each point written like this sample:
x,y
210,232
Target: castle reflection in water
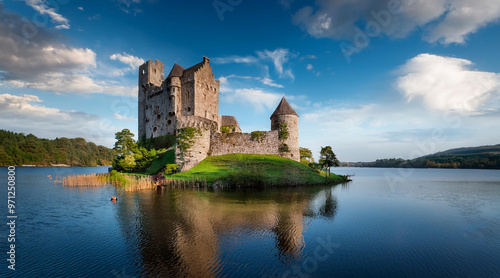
x,y
188,233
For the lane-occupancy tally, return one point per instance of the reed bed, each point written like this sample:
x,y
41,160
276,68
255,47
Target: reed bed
x,y
192,183
134,183
83,180
128,183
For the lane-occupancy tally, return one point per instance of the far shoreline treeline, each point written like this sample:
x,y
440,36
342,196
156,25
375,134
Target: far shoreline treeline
x,y
483,157
18,149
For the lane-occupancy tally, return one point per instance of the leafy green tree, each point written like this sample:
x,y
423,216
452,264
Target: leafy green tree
x,y
315,166
306,156
131,157
125,143
127,163
328,159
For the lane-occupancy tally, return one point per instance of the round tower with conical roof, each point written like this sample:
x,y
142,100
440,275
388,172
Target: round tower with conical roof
x,y
286,121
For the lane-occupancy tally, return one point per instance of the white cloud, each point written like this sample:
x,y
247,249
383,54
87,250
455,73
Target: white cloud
x,y
42,62
22,103
312,57
30,60
266,81
309,67
80,8
279,57
41,7
256,97
464,17
446,21
130,6
446,83
269,82
353,131
121,117
74,83
235,59
391,129
27,114
130,60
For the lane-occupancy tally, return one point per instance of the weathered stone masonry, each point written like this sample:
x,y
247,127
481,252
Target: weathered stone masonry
x,y
190,98
222,143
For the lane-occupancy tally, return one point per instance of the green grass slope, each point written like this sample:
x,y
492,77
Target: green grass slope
x,y
251,170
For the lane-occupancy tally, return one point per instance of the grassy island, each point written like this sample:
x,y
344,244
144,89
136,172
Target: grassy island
x,y
155,158
228,171
254,170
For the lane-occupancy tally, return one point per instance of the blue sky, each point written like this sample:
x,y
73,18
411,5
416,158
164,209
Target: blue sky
x,y
373,79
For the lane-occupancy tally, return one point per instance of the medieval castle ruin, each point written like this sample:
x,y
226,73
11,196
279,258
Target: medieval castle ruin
x,y
189,98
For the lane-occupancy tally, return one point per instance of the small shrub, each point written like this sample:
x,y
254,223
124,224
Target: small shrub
x,y
227,129
171,168
258,136
284,148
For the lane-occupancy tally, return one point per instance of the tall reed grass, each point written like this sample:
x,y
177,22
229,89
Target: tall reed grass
x,y
83,180
191,183
128,183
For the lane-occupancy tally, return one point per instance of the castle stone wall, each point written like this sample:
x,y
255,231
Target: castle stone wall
x,y
206,93
199,150
227,143
155,112
187,94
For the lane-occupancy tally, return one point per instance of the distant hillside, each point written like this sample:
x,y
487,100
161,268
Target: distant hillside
x,y
484,157
21,149
489,150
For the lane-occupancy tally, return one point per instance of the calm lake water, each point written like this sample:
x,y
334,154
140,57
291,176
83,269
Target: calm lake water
x,y
386,223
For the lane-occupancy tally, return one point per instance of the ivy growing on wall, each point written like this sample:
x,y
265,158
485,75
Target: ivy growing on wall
x,y
185,137
283,131
227,129
258,136
284,148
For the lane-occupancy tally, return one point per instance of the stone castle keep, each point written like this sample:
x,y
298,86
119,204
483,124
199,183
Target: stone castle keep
x,y
190,98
